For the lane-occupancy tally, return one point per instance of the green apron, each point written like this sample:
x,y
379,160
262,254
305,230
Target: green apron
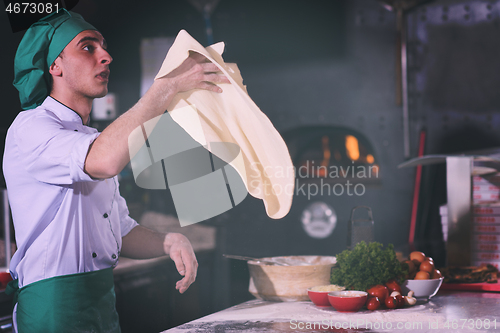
x,y
83,302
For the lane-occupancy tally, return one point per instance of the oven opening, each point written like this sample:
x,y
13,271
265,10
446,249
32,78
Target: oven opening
x,y
330,154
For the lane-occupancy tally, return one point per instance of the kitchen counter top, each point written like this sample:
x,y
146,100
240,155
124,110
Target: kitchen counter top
x,y
448,311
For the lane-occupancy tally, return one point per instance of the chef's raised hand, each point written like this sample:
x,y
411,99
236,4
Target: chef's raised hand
x,y
181,252
197,72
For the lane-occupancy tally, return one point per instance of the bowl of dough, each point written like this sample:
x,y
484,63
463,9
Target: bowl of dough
x,y
279,283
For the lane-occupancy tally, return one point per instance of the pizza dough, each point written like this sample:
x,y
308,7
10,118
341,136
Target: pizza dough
x,y
232,117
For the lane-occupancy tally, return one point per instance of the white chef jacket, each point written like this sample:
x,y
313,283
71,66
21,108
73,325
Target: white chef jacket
x,y
65,221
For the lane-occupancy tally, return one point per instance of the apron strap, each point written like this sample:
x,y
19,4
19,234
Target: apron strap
x,y
13,288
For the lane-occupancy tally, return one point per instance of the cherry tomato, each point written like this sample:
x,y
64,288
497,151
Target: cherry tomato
x,y
379,291
391,302
401,301
372,303
392,285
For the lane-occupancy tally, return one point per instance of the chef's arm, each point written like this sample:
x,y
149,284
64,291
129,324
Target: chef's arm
x,y
109,153
143,243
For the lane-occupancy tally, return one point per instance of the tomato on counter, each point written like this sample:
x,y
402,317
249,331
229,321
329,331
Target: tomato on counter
x,y
391,302
373,303
379,291
392,285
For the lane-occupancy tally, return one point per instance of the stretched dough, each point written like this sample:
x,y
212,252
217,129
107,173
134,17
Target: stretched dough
x,y
232,116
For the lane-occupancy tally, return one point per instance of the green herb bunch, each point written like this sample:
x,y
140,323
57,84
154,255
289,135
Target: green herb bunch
x,y
366,266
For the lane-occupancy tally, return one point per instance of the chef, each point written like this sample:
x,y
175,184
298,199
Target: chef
x,y
70,221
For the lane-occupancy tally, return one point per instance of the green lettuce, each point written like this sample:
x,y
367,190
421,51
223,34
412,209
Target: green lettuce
x,y
365,266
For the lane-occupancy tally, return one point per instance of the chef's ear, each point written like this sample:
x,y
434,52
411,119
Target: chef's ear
x,y
56,69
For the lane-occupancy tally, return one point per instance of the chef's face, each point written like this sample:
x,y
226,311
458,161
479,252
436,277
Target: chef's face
x,y
84,65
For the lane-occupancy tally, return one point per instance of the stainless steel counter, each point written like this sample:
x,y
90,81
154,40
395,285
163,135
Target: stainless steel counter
x,y
448,311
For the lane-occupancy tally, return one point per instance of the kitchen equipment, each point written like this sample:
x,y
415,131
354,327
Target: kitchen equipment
x,y
459,214
423,289
416,193
401,7
267,261
347,301
5,278
289,283
6,227
206,7
360,229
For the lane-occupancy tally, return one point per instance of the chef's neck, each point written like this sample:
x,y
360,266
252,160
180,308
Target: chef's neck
x,y
81,105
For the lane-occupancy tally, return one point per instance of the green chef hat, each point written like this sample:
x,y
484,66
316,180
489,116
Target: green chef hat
x,y
40,46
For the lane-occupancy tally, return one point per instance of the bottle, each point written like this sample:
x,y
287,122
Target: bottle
x,y
360,229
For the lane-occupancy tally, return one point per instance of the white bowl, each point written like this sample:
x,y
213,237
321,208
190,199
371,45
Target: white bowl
x,y
423,289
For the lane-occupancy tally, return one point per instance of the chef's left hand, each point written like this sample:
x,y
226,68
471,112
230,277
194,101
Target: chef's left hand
x,y
180,250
